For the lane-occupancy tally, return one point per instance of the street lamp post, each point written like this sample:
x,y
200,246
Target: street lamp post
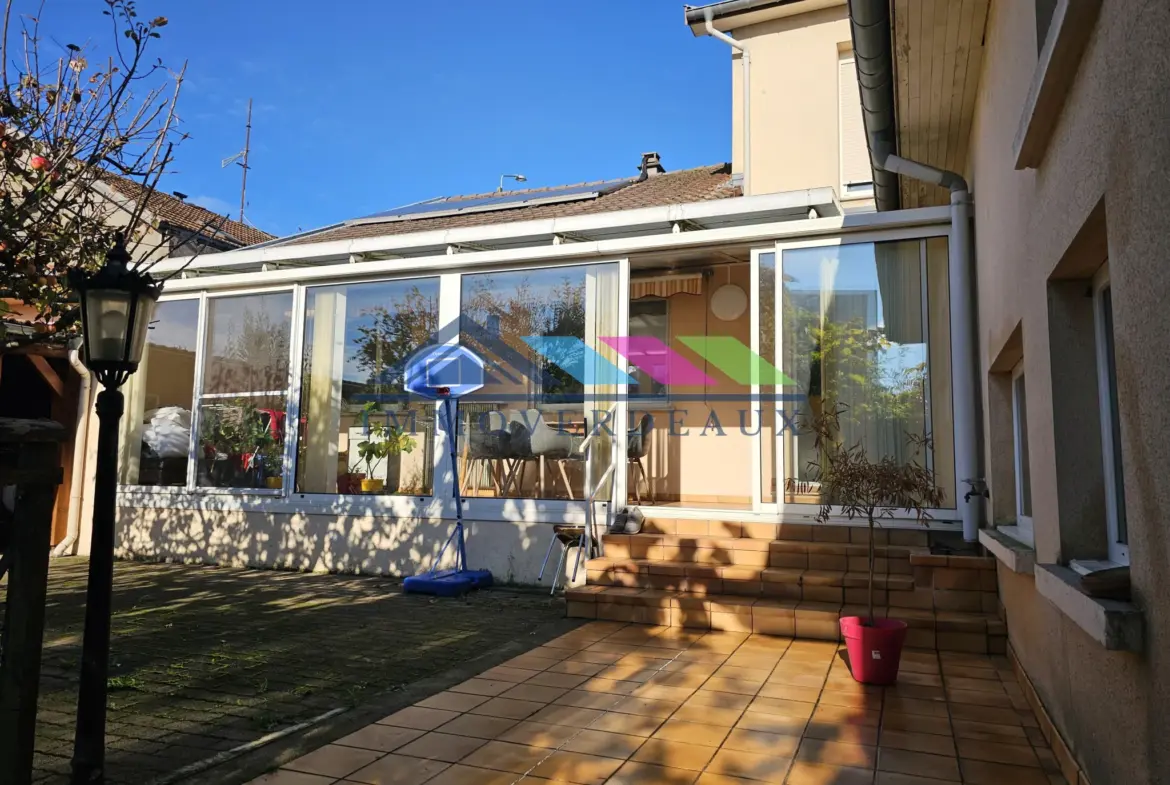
x,y
117,304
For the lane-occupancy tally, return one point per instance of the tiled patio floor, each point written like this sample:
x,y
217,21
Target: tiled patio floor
x,y
611,703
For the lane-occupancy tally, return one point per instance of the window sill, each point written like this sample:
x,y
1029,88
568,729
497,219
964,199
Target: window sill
x,y
1118,626
1068,35
1012,552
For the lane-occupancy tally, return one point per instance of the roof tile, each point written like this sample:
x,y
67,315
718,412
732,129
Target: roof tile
x,y
186,215
701,184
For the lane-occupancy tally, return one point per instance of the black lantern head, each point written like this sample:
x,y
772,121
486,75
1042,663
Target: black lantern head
x,y
117,305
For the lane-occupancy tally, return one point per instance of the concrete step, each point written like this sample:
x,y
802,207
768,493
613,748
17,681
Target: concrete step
x,y
982,633
759,553
833,533
783,583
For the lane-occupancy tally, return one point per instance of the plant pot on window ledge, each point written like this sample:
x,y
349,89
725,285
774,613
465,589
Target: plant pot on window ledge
x,y
372,486
350,482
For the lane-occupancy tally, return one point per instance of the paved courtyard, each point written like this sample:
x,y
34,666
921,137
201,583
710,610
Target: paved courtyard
x,y
617,704
207,660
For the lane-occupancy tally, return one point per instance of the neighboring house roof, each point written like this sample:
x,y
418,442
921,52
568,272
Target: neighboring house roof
x,y
184,215
686,186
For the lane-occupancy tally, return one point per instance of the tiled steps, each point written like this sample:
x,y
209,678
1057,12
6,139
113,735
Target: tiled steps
x,y
930,629
790,579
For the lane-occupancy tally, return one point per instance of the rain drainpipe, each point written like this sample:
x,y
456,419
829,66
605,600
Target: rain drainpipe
x,y
963,338
77,480
745,59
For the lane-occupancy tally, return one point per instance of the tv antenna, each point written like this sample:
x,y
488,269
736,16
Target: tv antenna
x,y
240,159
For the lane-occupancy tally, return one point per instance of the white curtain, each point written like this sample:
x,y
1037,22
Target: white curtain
x,y
602,282
322,403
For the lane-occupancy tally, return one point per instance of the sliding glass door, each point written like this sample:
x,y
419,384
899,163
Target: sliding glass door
x,y
860,329
548,337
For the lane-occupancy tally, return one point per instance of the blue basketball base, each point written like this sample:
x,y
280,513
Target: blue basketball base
x,y
450,583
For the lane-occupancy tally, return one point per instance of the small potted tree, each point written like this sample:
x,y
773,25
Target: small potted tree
x,y
382,442
861,487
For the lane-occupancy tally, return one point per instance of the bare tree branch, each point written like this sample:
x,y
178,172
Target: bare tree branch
x,y
65,126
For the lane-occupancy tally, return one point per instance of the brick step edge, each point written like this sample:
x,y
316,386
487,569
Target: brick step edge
x,y
793,576
792,531
777,584
980,633
648,540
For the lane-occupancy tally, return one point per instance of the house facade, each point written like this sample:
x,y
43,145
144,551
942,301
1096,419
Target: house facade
x,y
1056,115
702,303
655,342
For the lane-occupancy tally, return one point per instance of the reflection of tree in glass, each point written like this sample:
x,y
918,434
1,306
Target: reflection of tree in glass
x,y
878,385
254,358
512,315
870,370
391,334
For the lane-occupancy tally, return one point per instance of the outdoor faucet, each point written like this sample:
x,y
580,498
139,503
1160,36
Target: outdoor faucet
x,y
978,487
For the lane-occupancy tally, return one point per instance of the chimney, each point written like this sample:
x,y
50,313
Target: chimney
x,y
651,165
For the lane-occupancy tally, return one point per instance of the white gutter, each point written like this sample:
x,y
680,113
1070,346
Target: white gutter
x,y
964,340
746,61
611,249
77,478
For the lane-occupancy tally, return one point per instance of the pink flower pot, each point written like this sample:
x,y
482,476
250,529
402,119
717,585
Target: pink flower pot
x,y
874,651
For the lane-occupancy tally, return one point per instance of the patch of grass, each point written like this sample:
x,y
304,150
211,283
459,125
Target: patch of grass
x,y
121,683
268,721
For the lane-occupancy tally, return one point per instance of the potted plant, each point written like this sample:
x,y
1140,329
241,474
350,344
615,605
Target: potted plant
x,y
382,442
398,442
863,487
371,451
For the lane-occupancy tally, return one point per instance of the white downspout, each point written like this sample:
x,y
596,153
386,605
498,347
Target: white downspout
x,y
80,450
747,95
963,338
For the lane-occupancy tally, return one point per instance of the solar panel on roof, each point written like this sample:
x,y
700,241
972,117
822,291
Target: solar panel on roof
x,y
500,201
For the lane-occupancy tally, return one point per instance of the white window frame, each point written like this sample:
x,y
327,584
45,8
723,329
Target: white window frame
x,y
292,437
199,337
850,191
1106,384
296,323
941,516
1023,522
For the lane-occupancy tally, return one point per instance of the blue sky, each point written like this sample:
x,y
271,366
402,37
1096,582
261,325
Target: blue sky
x,y
364,105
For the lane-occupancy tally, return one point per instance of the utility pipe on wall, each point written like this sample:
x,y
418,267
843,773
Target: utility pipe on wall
x,y
745,59
964,342
80,444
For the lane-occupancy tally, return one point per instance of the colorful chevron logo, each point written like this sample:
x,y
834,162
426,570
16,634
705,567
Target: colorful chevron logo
x,y
658,361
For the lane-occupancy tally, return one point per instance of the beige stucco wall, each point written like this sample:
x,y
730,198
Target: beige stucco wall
x,y
367,544
684,462
794,101
1110,153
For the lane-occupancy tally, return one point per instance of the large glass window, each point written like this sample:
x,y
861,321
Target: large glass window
x,y
360,432
1020,440
769,393
1110,419
243,402
156,430
858,337
550,378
